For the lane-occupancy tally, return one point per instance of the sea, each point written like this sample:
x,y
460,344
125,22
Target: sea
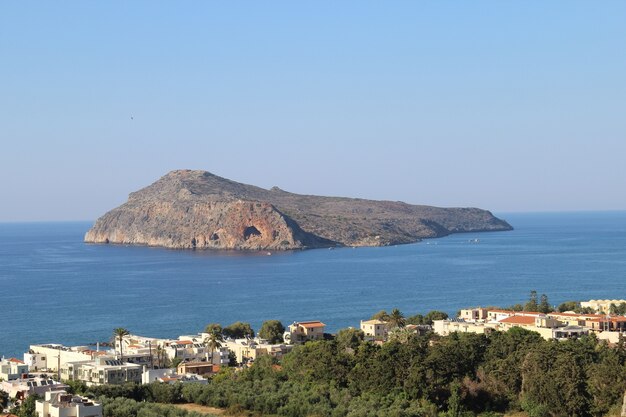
x,y
56,289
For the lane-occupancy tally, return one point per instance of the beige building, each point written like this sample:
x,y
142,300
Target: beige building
x,y
574,319
497,315
300,332
375,330
474,314
62,404
445,327
541,324
198,368
247,350
601,306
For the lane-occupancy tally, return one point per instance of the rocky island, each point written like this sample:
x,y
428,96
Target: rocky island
x,y
188,209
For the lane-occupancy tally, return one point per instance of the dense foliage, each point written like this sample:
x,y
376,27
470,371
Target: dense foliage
x,y
458,375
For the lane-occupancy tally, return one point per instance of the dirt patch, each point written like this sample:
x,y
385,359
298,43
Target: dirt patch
x,y
209,411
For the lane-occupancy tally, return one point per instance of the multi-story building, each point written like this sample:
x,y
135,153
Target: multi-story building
x,y
102,370
12,368
247,350
300,332
601,306
51,357
474,314
375,330
445,327
23,387
62,404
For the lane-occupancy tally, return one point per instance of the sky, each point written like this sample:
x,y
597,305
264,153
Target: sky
x,y
509,106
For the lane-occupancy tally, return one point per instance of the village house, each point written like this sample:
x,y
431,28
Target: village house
x,y
12,368
247,350
300,332
61,404
474,314
375,330
198,368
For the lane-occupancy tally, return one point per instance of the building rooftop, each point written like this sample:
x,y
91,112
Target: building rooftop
x,y
519,320
310,324
374,321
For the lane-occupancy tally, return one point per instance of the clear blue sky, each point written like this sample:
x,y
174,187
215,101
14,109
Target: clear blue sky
x,y
510,106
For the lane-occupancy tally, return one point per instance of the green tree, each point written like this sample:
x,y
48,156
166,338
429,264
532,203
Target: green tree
x,y
544,305
619,309
532,304
119,334
272,331
381,315
349,339
213,328
238,330
396,319
434,315
606,380
213,341
161,357
27,409
568,306
4,399
415,319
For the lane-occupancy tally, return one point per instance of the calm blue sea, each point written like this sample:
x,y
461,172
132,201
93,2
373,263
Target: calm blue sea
x,y
55,288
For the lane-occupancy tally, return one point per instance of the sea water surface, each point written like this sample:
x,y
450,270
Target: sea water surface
x,y
55,288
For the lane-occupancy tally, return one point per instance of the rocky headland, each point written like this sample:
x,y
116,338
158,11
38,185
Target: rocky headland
x,y
188,209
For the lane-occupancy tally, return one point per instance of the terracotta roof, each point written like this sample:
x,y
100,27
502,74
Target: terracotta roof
x,y
519,320
184,342
582,316
311,324
15,360
614,319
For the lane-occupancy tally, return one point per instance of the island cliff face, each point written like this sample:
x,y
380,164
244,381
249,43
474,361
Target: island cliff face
x,y
198,210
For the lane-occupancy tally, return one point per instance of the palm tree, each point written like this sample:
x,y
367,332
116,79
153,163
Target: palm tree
x,y
159,354
213,342
119,334
396,319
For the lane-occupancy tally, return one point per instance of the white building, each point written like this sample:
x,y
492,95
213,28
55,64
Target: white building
x,y
23,387
12,368
51,357
62,404
170,376
102,370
